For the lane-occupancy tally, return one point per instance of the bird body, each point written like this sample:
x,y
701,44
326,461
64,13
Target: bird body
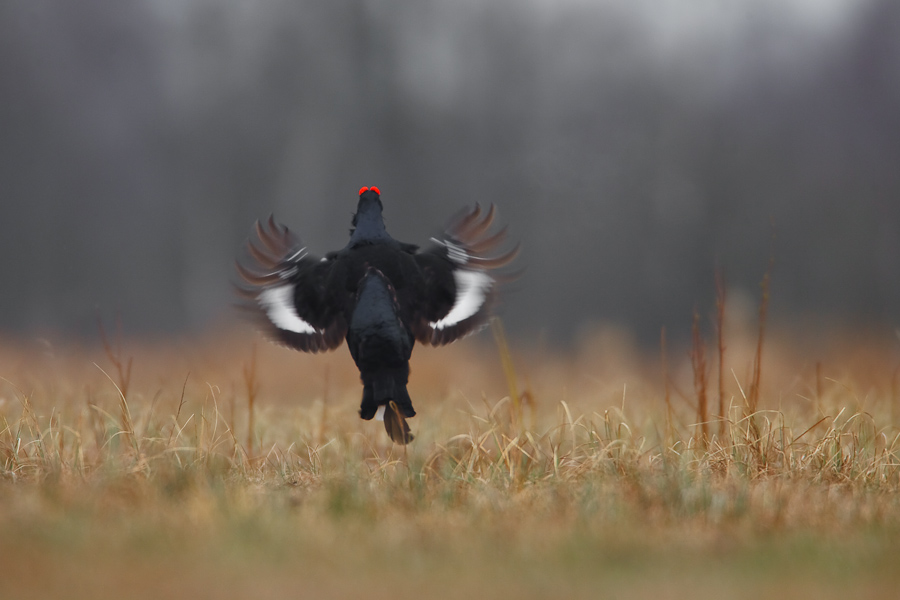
x,y
381,344
378,294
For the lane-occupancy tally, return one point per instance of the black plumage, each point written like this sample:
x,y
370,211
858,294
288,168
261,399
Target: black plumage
x,y
379,294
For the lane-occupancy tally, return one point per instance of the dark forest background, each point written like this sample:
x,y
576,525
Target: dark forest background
x,y
633,147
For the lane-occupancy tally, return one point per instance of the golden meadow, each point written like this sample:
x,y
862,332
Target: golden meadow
x,y
225,467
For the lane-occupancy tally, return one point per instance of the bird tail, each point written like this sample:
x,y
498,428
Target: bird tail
x,y
395,424
386,399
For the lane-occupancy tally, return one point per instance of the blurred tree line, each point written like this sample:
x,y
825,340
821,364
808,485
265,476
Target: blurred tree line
x,y
633,147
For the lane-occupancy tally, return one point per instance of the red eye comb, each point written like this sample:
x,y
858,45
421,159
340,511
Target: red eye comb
x,y
366,189
363,190
376,190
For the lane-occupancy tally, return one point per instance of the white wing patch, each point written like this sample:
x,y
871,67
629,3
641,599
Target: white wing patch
x,y
379,414
472,288
278,302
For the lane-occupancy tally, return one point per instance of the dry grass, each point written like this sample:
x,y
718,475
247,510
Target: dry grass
x,y
228,468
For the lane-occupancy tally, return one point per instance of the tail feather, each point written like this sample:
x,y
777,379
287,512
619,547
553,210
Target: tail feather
x,y
386,398
396,426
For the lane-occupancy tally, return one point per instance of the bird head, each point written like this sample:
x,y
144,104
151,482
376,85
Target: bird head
x,y
368,214
369,195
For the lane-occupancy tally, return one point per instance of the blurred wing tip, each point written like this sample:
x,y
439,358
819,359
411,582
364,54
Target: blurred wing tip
x,y
255,278
262,257
495,262
489,243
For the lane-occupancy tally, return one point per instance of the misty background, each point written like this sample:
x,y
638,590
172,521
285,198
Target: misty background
x,y
633,147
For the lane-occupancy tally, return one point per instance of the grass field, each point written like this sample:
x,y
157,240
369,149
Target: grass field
x,y
229,468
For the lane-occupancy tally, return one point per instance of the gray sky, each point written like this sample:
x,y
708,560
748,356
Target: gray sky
x,y
632,147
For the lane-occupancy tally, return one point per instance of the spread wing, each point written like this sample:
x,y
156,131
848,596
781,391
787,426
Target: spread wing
x,y
287,291
459,288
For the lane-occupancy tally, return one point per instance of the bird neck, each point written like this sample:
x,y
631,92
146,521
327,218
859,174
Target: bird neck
x,y
368,224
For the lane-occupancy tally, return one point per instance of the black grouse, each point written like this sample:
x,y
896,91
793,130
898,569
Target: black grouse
x,y
379,294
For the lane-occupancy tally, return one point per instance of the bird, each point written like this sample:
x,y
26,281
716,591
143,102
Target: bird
x,y
378,294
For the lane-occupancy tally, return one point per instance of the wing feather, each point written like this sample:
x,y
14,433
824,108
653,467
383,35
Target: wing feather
x,y
286,291
460,290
